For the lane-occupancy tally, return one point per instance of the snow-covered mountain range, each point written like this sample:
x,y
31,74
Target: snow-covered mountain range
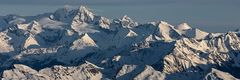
x,y
76,44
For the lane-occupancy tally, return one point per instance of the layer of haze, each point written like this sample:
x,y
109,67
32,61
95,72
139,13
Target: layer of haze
x,y
208,15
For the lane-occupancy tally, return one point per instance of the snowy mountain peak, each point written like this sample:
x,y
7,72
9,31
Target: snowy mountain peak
x,y
87,39
183,26
85,10
150,38
196,33
84,41
163,22
78,45
127,22
104,23
85,13
30,42
126,18
131,34
167,31
81,16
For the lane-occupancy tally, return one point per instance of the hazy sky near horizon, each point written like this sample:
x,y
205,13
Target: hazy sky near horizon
x,y
209,15
120,2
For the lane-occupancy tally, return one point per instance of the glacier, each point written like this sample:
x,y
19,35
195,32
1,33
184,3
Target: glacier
x,y
76,44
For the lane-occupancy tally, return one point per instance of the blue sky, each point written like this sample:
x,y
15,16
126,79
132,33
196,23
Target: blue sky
x,y
209,15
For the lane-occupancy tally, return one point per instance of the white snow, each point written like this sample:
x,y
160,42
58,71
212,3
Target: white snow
x,y
31,41
71,44
132,34
127,22
4,42
83,42
167,31
183,26
150,74
196,33
217,74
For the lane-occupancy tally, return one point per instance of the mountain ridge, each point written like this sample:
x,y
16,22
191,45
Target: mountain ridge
x,y
77,44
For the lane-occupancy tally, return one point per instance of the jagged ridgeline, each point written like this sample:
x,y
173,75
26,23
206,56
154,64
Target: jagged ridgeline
x,y
76,44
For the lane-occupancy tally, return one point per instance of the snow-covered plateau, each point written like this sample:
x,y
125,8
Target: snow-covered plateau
x,y
76,44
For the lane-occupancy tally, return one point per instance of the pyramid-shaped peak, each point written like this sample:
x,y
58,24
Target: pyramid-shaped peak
x,y
84,9
85,35
87,39
30,41
165,26
84,15
84,41
150,38
196,33
131,34
183,26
